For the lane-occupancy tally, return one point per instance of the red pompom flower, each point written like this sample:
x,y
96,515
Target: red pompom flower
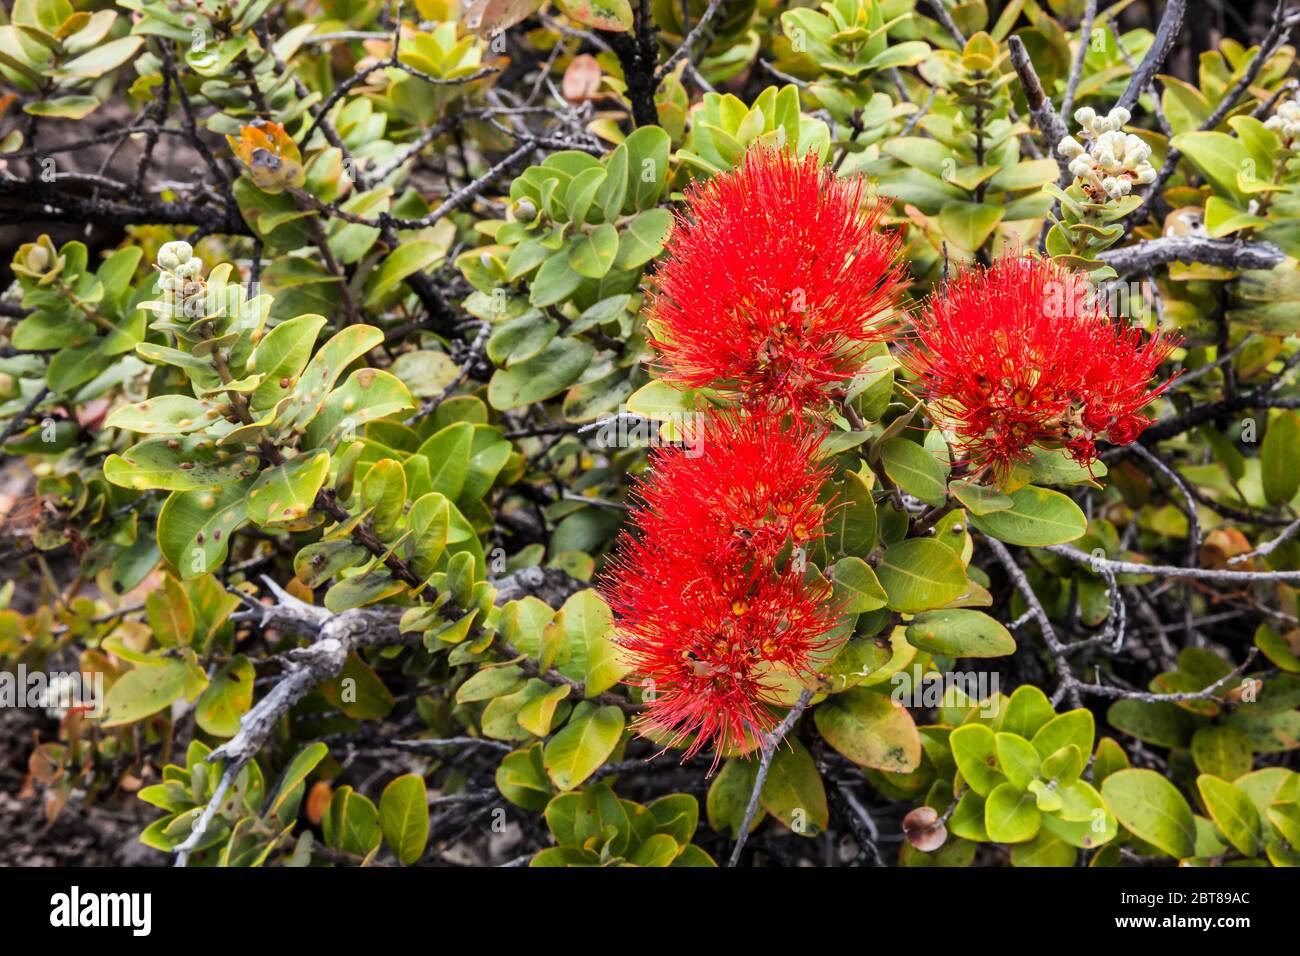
x,y
709,593
745,488
1024,354
776,279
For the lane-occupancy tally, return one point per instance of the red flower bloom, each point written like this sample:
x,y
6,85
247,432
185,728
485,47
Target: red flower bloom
x,y
707,598
703,639
1022,354
775,282
746,488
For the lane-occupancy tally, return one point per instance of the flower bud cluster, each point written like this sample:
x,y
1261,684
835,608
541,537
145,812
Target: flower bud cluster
x,y
1286,123
1112,161
179,273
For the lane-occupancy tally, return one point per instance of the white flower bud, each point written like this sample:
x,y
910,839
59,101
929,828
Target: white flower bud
x,y
1069,147
1084,115
1119,117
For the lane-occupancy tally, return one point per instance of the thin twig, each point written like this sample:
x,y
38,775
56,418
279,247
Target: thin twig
x,y
772,741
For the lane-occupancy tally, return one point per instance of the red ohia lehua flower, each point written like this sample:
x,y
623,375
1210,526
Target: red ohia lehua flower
x,y
1025,353
742,489
776,280
710,592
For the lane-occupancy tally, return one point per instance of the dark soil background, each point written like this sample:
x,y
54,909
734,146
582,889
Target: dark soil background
x,y
102,834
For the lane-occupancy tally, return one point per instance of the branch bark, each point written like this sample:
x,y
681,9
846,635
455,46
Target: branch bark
x,y
1171,23
1226,253
1041,110
334,637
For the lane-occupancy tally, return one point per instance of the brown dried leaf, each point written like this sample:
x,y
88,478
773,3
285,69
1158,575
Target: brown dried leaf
x,y
582,79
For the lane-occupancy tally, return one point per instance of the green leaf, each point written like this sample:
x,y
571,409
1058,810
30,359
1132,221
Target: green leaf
x,y
1232,812
383,496
558,366
404,817
1282,650
728,797
968,225
1152,809
647,165
677,815
410,257
555,281
594,815
1011,815
358,691
974,749
448,451
368,395
1064,766
919,574
658,850
793,791
593,253
852,525
303,763
1072,727
871,730
1218,157
589,626
163,415
1279,456
63,107
522,338
643,238
286,492
101,59
959,632
980,499
1044,849
352,823
1037,517
1162,723
1222,750
581,192
586,741
915,470
192,464
538,714
227,698
195,527
1027,710
1018,759
282,355
318,378
144,690
615,15
856,586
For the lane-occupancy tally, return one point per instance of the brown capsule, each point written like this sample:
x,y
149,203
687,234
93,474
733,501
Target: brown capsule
x,y
924,830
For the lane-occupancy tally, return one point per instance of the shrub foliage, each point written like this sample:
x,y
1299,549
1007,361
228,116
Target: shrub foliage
x,y
656,433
